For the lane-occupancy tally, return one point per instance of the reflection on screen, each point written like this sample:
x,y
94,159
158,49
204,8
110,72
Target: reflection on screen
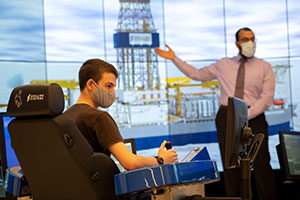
x,y
292,145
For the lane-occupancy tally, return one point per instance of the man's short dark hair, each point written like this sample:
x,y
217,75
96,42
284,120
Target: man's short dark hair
x,y
94,69
241,29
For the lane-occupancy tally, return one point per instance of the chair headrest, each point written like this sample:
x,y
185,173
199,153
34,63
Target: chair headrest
x,y
45,99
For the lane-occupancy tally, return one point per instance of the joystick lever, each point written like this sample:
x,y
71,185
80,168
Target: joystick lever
x,y
168,145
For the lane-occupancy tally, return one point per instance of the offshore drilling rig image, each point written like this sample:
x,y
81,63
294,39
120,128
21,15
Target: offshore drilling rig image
x,y
144,99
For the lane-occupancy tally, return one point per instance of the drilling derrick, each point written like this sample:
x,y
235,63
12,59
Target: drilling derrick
x,y
140,96
135,40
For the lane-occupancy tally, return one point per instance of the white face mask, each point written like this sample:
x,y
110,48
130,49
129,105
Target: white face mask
x,y
103,98
248,49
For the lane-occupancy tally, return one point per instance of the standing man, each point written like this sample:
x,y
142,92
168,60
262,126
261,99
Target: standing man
x,y
249,78
97,82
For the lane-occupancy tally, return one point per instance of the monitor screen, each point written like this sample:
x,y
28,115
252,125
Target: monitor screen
x,y
8,157
289,153
237,119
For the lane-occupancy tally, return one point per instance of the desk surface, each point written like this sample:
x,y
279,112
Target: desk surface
x,y
158,176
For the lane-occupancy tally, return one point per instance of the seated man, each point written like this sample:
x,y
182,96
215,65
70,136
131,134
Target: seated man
x,y
97,80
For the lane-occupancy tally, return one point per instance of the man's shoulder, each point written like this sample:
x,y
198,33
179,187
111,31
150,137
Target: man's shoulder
x,y
83,110
228,60
261,61
237,58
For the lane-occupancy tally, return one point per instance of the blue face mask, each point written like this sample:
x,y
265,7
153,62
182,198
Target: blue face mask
x,y
103,98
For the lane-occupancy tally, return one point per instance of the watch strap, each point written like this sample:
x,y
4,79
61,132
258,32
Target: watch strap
x,y
159,159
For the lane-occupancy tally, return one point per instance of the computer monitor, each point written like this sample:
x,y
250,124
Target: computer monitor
x,y
241,146
8,157
237,122
130,144
288,151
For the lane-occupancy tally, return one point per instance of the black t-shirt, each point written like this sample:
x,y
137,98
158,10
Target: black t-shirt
x,y
97,126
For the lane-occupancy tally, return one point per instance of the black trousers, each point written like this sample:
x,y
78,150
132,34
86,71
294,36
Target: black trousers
x,y
264,177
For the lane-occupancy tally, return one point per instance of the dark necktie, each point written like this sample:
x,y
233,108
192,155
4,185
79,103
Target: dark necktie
x,y
240,79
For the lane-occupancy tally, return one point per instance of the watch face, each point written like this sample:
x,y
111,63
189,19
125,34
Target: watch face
x,y
160,160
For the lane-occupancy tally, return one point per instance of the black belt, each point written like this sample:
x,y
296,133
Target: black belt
x,y
225,107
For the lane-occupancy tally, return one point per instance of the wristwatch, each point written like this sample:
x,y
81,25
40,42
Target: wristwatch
x,y
159,159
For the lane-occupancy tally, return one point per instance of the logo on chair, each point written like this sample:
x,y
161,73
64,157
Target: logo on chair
x,y
18,99
35,97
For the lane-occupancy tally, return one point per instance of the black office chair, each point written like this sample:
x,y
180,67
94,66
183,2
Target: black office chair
x,y
56,159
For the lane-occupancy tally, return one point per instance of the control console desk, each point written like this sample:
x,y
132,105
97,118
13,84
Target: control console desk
x,y
169,181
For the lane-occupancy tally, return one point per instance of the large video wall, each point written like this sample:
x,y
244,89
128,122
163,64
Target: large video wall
x,y
48,40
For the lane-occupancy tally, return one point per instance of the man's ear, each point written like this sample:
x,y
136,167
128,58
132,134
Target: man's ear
x,y
89,84
237,44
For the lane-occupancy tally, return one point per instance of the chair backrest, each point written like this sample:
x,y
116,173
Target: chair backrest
x,y
56,159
